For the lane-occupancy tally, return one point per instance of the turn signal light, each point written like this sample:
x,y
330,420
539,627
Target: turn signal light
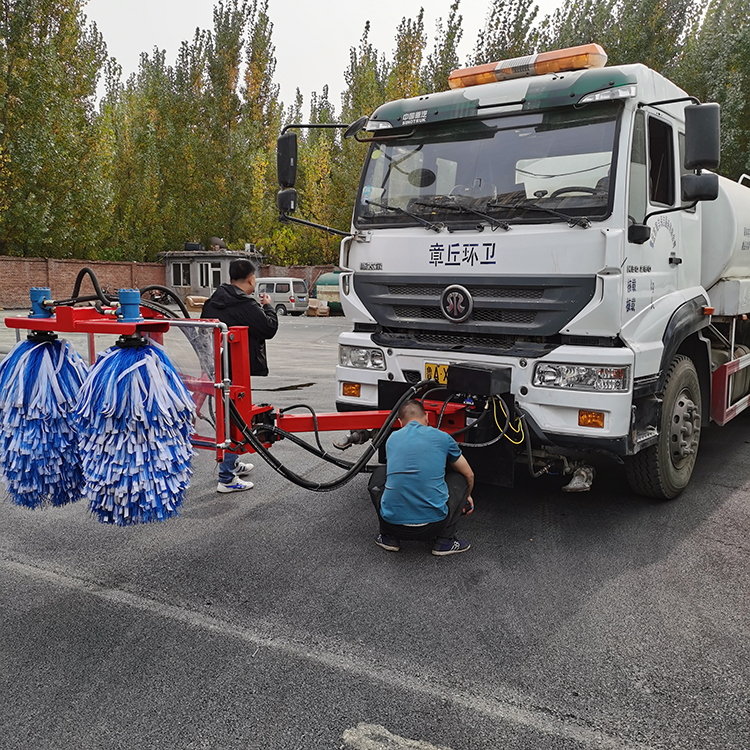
x,y
591,419
351,389
570,58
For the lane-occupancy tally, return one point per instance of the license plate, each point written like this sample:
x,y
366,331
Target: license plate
x,y
436,372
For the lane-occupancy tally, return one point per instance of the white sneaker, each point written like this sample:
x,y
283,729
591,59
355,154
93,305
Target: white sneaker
x,y
243,469
236,485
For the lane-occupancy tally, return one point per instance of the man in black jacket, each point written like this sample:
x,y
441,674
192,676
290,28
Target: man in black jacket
x,y
232,304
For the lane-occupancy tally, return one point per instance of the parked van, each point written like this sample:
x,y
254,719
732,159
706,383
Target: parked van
x,y
288,295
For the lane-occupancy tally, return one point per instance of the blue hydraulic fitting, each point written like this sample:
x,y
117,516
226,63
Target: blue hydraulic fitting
x,y
130,306
38,308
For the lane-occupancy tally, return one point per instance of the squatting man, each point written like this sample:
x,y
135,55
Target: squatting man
x,y
413,495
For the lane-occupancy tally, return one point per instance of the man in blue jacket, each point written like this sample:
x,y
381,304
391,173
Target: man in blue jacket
x,y
232,304
413,496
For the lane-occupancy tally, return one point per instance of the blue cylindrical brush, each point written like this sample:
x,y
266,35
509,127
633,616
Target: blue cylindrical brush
x,y
39,383
134,418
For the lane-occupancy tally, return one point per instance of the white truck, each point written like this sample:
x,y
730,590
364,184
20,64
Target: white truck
x,y
550,218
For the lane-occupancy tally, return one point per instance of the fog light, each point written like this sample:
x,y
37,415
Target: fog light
x,y
590,418
351,389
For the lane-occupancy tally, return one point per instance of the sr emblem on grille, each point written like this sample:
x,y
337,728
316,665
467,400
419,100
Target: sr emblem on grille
x,y
456,303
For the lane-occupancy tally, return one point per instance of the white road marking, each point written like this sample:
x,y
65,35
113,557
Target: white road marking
x,y
504,705
375,737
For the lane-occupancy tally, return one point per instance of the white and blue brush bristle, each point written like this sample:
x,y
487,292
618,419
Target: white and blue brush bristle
x,y
39,384
134,418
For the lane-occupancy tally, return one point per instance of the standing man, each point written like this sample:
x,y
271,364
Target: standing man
x,y
232,304
413,496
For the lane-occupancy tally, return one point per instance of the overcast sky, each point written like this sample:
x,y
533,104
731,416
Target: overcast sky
x,y
312,38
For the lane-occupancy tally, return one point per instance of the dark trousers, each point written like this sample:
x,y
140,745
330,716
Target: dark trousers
x,y
458,491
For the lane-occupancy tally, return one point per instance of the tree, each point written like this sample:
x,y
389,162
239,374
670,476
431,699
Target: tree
x,y
715,67
651,32
53,187
508,32
404,75
444,57
262,116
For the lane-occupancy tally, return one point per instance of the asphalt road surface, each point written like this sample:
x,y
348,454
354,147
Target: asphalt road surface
x,y
270,619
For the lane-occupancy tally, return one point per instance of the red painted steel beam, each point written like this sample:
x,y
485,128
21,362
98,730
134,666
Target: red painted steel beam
x,y
345,420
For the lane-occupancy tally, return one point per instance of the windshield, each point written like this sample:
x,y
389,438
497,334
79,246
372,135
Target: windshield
x,y
528,167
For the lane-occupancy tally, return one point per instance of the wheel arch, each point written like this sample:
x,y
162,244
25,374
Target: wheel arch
x,y
683,335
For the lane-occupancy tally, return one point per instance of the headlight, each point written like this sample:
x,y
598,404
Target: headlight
x,y
358,356
581,377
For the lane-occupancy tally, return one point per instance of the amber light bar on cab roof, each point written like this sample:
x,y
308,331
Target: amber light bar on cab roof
x,y
572,58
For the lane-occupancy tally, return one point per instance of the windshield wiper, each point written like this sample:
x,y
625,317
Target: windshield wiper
x,y
398,210
453,205
573,221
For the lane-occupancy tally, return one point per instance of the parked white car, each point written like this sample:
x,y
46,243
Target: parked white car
x,y
288,295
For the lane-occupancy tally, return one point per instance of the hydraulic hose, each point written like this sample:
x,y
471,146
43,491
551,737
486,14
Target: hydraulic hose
x,y
502,434
340,462
104,298
315,421
252,439
170,293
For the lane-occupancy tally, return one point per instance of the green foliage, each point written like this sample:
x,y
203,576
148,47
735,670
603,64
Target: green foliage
x,y
50,169
443,60
651,32
508,32
404,75
715,66
184,151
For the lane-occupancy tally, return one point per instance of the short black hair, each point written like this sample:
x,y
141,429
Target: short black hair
x,y
412,409
240,269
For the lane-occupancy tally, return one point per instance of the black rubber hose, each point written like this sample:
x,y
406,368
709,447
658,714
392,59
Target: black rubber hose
x,y
95,282
498,437
161,309
166,290
315,421
340,462
529,455
287,473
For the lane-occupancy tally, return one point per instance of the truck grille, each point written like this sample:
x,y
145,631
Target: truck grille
x,y
457,342
432,290
508,312
413,312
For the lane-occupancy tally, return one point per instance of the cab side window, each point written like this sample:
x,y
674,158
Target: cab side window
x,y
637,187
661,168
265,289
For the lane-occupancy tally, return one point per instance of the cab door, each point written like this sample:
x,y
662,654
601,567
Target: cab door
x,y
651,269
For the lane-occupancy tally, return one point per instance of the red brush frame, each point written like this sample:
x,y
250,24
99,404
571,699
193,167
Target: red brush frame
x,y
89,320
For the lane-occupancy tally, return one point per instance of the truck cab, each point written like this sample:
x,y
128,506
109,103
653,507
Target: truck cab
x,y
545,217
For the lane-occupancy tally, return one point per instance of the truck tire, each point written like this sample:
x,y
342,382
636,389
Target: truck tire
x,y
280,310
663,470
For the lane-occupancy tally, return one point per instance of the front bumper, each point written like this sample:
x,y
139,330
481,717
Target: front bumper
x,y
554,412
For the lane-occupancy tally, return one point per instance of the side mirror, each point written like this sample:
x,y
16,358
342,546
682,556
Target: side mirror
x,y
639,233
286,159
286,201
355,127
699,187
702,136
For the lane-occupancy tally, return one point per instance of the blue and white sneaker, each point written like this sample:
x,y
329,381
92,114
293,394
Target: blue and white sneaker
x,y
443,546
388,542
243,469
236,485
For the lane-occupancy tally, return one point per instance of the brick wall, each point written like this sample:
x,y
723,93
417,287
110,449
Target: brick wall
x,y
309,273
18,275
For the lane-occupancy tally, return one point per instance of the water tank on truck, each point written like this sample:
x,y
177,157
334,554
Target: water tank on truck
x,y
725,234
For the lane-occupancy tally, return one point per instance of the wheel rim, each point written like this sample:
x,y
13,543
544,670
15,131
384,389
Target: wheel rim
x,y
685,429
